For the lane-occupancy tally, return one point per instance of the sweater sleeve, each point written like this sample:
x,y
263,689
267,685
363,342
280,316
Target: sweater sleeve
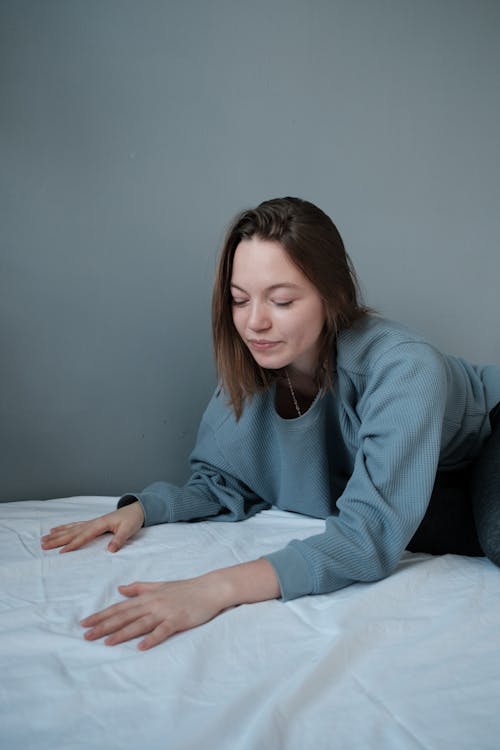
x,y
211,492
401,415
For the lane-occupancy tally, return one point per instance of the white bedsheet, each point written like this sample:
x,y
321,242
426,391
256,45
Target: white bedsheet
x,y
409,662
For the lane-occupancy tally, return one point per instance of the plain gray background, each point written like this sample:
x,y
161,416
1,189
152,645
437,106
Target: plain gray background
x,y
131,132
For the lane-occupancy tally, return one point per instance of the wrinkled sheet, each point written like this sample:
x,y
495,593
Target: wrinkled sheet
x,y
412,661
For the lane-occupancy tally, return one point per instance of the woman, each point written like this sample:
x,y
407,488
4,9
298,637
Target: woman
x,y
324,409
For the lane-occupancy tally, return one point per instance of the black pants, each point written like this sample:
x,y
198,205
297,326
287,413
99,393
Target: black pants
x,y
463,516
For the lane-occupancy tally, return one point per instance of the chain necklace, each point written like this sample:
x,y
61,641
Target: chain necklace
x,y
292,392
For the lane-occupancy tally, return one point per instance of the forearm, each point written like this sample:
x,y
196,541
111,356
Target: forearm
x,y
158,610
245,583
162,502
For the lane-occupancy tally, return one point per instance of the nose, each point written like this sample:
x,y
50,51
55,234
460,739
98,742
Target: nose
x,y
259,317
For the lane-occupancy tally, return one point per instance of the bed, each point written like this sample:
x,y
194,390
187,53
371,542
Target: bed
x,y
412,661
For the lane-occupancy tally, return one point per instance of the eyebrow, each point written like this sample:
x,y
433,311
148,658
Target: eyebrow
x,y
281,285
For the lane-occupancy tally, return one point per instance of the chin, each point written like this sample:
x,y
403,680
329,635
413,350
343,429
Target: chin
x,y
272,363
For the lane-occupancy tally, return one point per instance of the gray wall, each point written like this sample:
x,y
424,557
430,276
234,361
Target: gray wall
x,y
131,132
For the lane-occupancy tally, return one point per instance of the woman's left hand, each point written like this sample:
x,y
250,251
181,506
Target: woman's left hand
x,y
158,610
155,610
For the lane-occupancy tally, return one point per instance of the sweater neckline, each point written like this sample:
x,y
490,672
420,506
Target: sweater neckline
x,y
297,421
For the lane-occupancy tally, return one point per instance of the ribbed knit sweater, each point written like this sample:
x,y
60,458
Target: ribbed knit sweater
x,y
364,456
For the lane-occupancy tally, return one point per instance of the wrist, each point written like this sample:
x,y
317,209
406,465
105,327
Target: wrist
x,y
132,503
245,583
141,515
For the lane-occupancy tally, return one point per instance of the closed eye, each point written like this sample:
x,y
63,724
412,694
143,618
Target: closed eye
x,y
283,304
239,302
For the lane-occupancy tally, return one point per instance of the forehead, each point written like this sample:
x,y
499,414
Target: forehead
x,y
264,262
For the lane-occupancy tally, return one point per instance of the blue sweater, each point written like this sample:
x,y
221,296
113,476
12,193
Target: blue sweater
x,y
364,456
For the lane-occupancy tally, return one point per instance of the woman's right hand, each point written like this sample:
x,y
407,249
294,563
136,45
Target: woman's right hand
x,y
122,523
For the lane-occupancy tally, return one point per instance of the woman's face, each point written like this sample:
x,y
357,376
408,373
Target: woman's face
x,y
277,311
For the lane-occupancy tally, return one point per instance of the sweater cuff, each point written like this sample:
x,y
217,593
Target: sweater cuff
x,y
142,499
293,573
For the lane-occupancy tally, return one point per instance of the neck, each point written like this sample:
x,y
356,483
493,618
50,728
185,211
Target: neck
x,y
303,382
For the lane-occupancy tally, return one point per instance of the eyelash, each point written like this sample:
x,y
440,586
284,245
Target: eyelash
x,y
240,303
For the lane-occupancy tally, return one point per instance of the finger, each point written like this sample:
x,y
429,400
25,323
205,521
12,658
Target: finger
x,y
138,587
66,535
115,609
162,631
86,535
79,541
111,623
57,540
61,531
117,542
140,626
65,526
98,617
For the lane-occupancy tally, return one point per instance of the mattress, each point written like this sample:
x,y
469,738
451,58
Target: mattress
x,y
412,661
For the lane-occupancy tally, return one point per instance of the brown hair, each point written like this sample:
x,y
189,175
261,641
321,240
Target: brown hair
x,y
314,244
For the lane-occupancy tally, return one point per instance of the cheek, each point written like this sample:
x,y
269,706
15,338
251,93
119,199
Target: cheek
x,y
320,316
313,322
238,319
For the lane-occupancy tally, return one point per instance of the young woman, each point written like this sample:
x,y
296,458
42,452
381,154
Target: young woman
x,y
324,409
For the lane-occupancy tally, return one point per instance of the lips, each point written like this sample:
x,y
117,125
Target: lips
x,y
262,344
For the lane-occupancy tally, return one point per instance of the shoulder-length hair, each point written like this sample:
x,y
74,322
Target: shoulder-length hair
x,y
314,244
